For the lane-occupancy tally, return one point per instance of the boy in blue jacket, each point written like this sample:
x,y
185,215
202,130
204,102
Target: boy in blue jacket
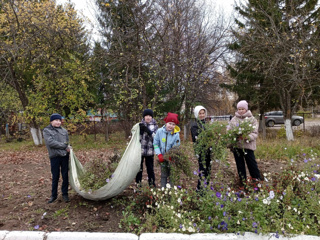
x,y
166,138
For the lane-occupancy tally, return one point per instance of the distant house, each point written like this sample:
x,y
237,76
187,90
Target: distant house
x,y
95,115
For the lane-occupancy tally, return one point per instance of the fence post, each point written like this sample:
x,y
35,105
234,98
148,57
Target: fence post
x,y
7,130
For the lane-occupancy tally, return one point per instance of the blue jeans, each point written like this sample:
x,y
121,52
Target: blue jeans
x,y
59,164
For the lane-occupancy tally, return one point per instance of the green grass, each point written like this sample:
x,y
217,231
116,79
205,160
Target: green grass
x,y
285,150
77,141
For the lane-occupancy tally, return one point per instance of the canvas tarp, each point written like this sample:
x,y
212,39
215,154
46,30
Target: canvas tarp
x,y
123,176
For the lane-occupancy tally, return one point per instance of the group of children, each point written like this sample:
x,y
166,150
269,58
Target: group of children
x,y
157,141
160,141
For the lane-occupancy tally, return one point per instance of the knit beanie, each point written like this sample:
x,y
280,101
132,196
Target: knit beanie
x,y
172,117
242,104
197,109
147,112
55,116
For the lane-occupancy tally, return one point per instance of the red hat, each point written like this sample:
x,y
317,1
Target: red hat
x,y
172,117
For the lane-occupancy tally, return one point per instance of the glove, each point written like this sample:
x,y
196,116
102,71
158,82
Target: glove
x,y
160,156
144,128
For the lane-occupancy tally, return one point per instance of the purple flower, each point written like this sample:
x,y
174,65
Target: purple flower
x,y
239,199
209,218
29,196
107,180
305,160
254,225
179,187
277,235
221,205
195,173
180,226
218,195
257,199
313,179
224,214
36,227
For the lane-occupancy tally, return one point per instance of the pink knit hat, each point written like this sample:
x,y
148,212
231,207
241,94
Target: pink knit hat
x,y
242,104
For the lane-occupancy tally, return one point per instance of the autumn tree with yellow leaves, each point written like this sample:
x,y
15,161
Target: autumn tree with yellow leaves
x,y
44,59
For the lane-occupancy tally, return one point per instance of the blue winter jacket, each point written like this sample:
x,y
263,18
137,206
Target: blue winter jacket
x,y
164,140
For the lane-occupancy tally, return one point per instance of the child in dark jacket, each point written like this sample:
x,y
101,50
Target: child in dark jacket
x,y
148,129
166,138
204,159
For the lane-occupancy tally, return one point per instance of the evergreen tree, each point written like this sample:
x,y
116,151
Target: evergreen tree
x,y
277,52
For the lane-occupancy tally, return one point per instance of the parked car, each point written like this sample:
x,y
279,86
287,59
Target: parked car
x,y
276,117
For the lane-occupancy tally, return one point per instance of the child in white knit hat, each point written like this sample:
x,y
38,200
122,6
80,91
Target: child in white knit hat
x,y
204,159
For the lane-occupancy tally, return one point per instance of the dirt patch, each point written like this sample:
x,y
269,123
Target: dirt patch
x,y
25,186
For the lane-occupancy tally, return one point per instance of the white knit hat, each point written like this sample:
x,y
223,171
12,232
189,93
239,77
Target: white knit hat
x,y
197,110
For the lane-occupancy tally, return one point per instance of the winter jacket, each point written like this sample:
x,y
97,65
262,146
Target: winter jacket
x,y
57,140
164,140
251,144
147,140
196,128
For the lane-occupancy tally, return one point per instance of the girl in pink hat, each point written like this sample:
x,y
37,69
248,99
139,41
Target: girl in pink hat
x,y
244,151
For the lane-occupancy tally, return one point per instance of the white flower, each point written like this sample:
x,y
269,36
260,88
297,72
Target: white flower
x,y
175,188
266,201
239,212
191,229
179,200
306,179
168,185
271,194
289,208
179,215
294,209
238,222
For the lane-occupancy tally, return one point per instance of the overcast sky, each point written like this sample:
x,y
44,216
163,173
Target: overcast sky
x,y
87,9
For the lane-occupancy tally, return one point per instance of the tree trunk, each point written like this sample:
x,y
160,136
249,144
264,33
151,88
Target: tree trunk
x,y
36,135
262,127
289,132
106,136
